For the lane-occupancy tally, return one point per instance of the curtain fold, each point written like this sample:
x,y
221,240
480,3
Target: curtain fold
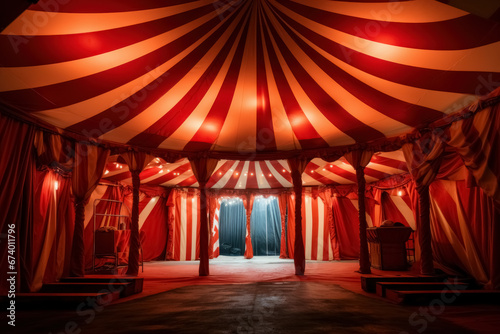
x,y
214,216
89,163
136,162
345,218
282,199
248,202
477,140
315,230
359,160
53,150
465,239
52,228
297,167
327,196
233,222
103,193
266,226
184,211
423,158
153,227
202,170
16,181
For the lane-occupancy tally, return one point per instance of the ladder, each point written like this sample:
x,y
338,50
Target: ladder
x,y
110,250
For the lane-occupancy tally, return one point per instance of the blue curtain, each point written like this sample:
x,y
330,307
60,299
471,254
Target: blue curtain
x,y
265,226
232,227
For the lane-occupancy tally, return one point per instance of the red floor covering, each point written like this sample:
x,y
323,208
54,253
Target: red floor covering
x,y
164,276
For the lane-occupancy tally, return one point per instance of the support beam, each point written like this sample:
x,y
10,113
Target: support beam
x,y
77,264
424,231
133,255
204,269
248,238
203,169
299,257
364,257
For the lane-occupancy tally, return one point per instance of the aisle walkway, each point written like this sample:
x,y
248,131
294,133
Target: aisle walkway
x,y
261,295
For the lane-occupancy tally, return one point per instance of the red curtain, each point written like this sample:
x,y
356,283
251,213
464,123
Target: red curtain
x,y
136,162
202,170
282,200
315,229
16,182
477,140
88,167
101,192
465,235
358,160
153,231
52,228
184,218
297,167
214,206
327,196
54,151
248,203
346,221
393,211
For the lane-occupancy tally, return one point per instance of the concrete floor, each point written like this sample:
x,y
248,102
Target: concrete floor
x,y
257,296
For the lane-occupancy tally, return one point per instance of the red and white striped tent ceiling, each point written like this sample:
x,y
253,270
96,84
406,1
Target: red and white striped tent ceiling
x,y
234,174
245,78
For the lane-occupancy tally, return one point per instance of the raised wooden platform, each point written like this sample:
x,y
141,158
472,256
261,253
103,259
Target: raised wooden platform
x,y
381,287
136,283
80,292
124,289
429,290
67,300
444,297
369,282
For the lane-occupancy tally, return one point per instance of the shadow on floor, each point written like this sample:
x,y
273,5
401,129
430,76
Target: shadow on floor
x,y
274,307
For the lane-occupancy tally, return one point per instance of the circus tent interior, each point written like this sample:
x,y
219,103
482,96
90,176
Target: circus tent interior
x,y
251,128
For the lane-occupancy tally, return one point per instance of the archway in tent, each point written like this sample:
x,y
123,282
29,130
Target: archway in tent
x,y
232,227
265,226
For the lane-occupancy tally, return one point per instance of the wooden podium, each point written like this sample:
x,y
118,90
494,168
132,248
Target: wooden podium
x,y
387,247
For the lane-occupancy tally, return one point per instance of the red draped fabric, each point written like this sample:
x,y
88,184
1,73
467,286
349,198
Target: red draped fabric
x,y
53,150
297,167
477,140
184,243
169,251
327,196
103,193
16,182
346,222
88,168
423,158
315,229
359,160
214,226
248,203
464,231
202,170
396,208
136,162
282,200
153,227
52,228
